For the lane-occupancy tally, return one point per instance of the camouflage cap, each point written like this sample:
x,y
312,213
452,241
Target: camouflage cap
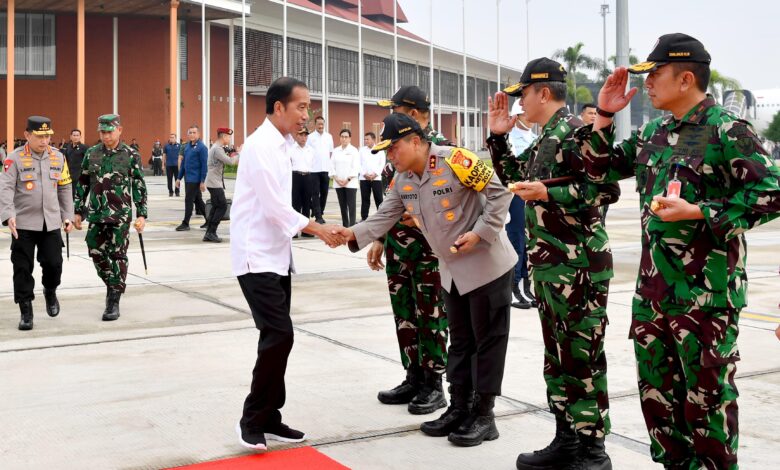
x,y
108,122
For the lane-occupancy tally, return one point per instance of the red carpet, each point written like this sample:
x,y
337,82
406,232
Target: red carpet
x,y
302,458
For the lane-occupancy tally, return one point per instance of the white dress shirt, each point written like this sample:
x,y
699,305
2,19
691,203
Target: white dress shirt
x,y
371,163
301,158
263,221
345,163
322,144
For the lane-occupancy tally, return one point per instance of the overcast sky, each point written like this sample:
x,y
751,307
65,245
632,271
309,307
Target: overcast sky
x,y
742,37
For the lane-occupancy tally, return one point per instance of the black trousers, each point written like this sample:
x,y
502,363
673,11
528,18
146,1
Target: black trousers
x,y
157,166
192,196
218,207
319,195
302,186
366,188
268,296
49,244
479,333
347,204
171,172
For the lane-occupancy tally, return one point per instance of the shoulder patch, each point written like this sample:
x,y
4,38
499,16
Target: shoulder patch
x,y
470,170
7,164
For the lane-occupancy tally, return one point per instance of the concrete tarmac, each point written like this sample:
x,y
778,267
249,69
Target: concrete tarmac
x,y
164,385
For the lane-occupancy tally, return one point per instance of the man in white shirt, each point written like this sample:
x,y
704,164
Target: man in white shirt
x,y
371,166
263,224
322,143
301,158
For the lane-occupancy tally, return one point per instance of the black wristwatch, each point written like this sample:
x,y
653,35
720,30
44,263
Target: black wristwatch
x,y
603,113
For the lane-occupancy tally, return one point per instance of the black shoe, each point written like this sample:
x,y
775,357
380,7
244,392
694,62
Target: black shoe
x,y
591,455
26,309
52,304
170,194
405,392
480,425
430,397
183,227
562,450
177,194
251,440
320,221
461,400
111,312
211,237
516,292
205,225
521,304
526,292
283,433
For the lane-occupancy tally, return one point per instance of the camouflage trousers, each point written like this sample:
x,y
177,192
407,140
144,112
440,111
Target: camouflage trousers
x,y
415,295
574,320
107,245
686,364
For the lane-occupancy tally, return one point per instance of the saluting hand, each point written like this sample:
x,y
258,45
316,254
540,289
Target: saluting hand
x,y
499,121
613,96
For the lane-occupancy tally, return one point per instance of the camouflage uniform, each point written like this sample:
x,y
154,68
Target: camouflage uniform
x,y
414,283
571,264
692,280
109,182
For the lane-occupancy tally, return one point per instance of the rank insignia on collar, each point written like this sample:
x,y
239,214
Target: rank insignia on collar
x,y
432,162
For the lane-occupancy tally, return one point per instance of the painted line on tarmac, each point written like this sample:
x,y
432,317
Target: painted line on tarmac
x,y
760,317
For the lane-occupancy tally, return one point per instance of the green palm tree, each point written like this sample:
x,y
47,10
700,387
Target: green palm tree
x,y
720,83
575,59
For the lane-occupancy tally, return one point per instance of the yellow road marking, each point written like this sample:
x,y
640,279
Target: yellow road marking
x,y
767,318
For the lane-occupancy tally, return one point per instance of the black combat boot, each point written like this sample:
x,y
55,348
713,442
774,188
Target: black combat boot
x,y
26,323
112,305
461,402
527,292
52,304
480,425
405,392
520,301
562,450
430,397
591,455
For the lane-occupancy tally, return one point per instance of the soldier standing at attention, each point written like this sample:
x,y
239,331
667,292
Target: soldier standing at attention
x,y
415,288
459,205
703,180
571,264
35,200
110,180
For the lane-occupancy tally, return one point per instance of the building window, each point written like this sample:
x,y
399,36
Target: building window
x,y
377,74
342,72
407,74
182,50
304,62
450,89
263,57
35,51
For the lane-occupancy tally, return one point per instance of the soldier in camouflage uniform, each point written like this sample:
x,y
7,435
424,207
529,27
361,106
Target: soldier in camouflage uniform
x,y
692,280
571,264
415,285
110,180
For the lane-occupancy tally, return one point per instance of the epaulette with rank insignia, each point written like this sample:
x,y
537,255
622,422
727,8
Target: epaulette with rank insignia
x,y
470,170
